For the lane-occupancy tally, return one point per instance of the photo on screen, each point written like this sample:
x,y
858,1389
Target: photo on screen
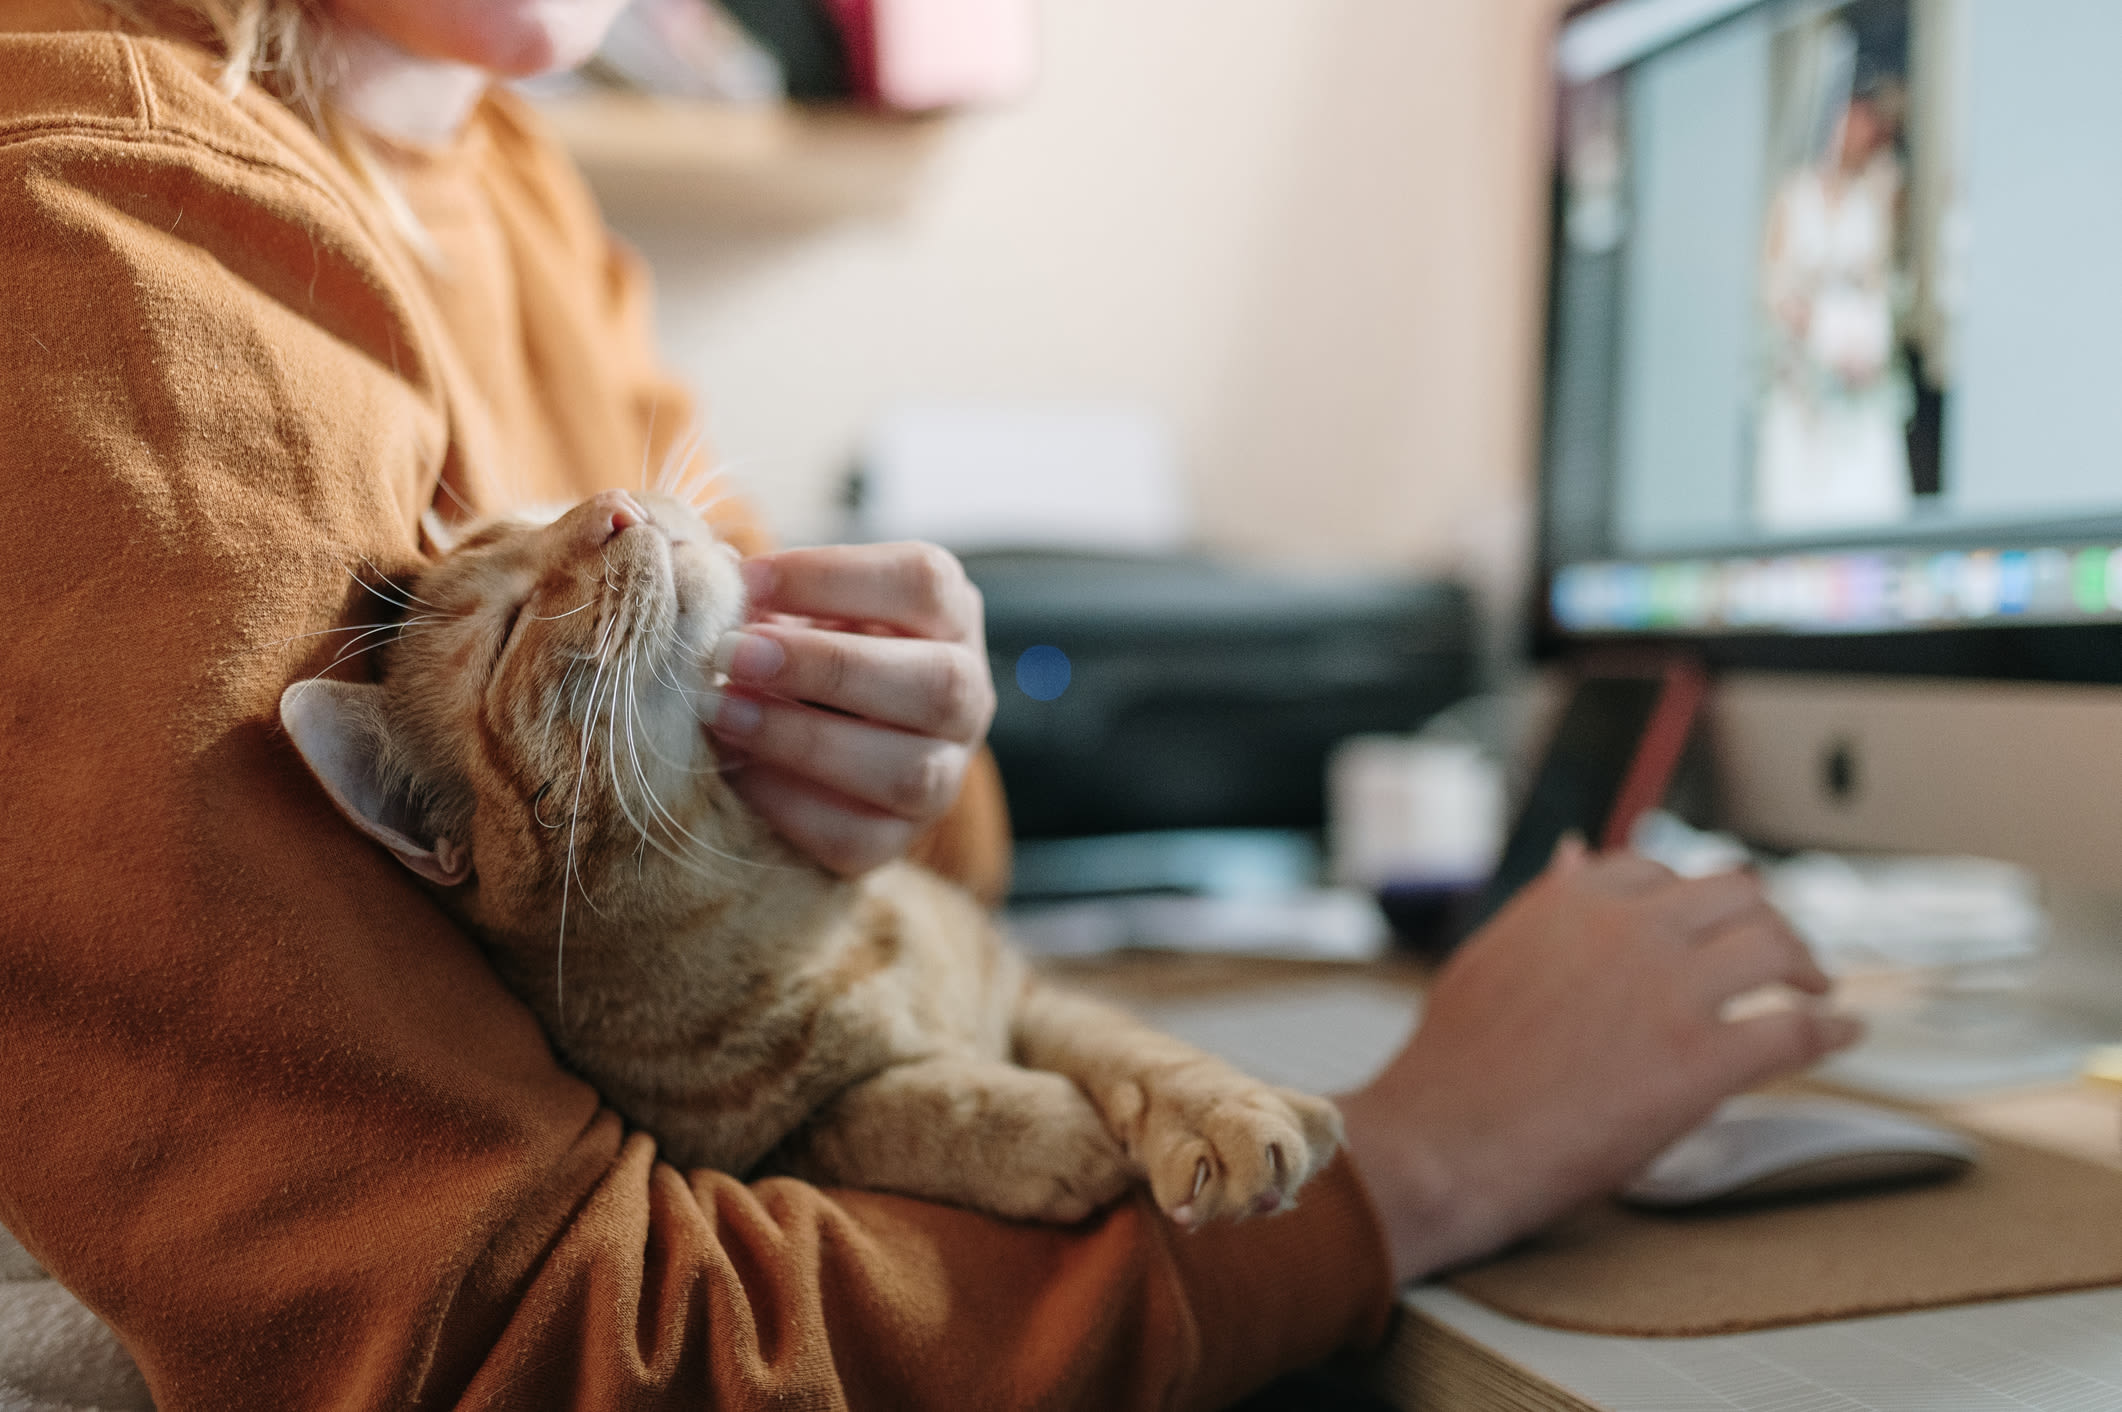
x,y
1860,235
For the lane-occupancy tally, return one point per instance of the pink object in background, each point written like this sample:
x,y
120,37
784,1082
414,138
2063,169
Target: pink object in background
x,y
919,55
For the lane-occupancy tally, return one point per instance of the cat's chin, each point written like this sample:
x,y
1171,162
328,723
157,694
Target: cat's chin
x,y
707,595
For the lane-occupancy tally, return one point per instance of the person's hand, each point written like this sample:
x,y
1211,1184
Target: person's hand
x,y
1571,1040
857,696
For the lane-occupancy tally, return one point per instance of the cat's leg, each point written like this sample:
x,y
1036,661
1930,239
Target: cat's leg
x,y
1214,1142
975,1132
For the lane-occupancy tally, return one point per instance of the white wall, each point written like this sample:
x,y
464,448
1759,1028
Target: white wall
x,y
1306,231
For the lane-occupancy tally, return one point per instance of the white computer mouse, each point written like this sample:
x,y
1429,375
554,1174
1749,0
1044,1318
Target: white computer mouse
x,y
1757,1146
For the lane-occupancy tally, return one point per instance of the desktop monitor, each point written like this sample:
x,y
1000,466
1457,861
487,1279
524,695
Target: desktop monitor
x,y
1834,401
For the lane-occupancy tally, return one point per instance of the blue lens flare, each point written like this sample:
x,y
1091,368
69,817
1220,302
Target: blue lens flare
x,y
1042,672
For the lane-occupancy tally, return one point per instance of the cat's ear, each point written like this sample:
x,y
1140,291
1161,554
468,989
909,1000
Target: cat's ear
x,y
338,728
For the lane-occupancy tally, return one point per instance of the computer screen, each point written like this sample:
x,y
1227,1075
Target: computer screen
x,y
1835,339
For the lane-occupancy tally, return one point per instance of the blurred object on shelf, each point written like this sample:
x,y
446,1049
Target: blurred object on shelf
x,y
1414,810
1689,851
1323,924
765,167
2103,1071
681,117
687,49
1871,913
918,56
1246,892
1198,693
2103,1068
805,40
999,476
1963,936
904,56
1417,820
1236,863
1874,913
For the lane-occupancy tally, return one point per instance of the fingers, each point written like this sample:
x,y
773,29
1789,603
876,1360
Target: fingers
x,y
917,588
1697,908
839,833
1754,950
912,777
1626,874
1784,1041
1757,949
932,688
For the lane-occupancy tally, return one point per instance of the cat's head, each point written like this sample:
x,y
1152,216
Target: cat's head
x,y
537,717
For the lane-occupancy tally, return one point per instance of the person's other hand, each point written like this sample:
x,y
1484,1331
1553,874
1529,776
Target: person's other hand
x,y
1571,1040
856,697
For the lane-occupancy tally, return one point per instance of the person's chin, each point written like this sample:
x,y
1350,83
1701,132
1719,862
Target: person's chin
x,y
519,41
507,38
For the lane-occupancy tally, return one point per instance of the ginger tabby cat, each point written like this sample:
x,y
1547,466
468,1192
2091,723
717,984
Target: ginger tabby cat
x,y
534,750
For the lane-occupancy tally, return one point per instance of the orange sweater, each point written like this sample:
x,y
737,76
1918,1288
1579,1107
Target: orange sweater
x,y
266,1110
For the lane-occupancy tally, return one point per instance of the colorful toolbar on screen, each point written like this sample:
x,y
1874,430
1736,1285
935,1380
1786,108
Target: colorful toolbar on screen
x,y
1843,592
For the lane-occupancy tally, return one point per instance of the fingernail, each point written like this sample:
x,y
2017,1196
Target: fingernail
x,y
738,716
743,656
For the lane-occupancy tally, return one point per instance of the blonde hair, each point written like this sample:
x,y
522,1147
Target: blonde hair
x,y
286,48
282,45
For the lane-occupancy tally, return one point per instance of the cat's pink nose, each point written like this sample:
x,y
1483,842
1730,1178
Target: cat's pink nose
x,y
615,510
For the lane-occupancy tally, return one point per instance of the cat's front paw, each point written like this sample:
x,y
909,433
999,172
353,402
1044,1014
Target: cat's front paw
x,y
1061,1170
1216,1144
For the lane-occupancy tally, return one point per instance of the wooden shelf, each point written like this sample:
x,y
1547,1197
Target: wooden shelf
x,y
664,161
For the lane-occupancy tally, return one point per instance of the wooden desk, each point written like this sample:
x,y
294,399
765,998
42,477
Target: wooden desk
x,y
1448,1353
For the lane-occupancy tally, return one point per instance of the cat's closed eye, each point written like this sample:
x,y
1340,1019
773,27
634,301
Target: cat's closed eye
x,y
508,633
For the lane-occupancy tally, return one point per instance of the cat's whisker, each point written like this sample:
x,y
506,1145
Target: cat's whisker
x,y
401,588
648,438
665,671
678,461
611,757
675,459
621,701
384,634
689,489
574,824
442,484
650,743
323,632
560,693
709,478
368,587
670,820
556,617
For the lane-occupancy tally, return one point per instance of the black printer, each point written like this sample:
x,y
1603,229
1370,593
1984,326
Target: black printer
x,y
1186,692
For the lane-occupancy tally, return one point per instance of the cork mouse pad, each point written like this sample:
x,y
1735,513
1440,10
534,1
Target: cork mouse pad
x,y
2023,1221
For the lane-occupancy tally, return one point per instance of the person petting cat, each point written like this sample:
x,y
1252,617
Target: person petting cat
x,y
281,283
